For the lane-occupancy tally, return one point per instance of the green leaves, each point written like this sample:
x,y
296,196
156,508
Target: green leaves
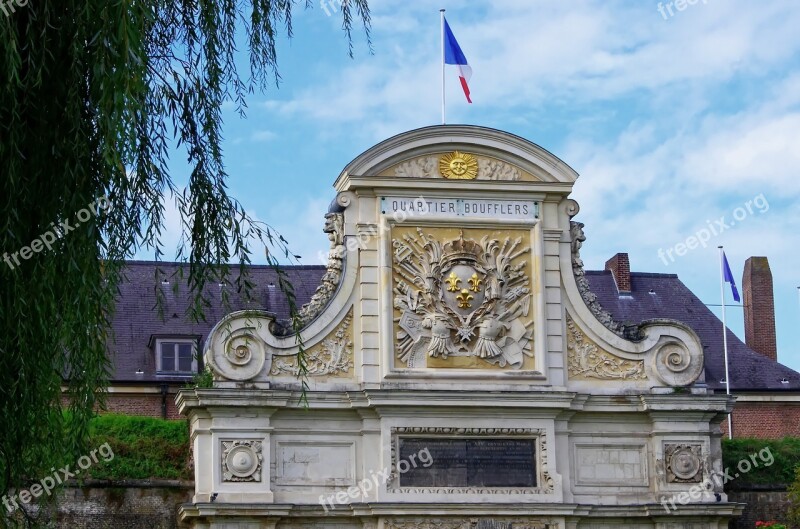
x,y
95,96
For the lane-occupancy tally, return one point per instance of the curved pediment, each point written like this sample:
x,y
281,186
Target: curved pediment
x,y
426,153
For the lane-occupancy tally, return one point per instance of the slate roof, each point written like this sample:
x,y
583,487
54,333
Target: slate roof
x,y
665,296
137,322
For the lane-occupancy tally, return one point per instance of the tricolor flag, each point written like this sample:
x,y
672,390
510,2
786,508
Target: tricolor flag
x,y
728,276
454,55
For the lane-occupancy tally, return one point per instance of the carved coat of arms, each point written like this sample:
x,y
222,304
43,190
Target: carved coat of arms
x,y
462,298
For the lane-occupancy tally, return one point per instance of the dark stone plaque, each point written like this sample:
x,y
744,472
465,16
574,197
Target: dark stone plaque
x,y
472,462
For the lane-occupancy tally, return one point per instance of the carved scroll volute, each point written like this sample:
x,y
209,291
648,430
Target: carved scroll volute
x,y
238,355
675,365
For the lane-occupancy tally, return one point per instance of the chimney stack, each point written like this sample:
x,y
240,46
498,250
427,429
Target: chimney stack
x,y
620,268
759,307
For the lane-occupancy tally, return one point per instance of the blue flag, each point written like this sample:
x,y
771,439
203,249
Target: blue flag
x,y
728,276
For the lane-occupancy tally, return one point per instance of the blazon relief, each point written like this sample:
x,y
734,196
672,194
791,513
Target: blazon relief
x,y
462,301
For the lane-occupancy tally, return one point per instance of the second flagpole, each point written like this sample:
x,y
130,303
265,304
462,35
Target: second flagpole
x,y
444,116
725,333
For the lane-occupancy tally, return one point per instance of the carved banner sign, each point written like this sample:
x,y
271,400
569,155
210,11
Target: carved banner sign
x,y
460,207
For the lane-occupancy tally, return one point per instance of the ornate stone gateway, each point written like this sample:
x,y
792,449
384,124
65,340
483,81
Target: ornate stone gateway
x,y
461,374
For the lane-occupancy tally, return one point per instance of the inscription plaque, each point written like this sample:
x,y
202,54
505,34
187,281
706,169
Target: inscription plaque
x,y
478,462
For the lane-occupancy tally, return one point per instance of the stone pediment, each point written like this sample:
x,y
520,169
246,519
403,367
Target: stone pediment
x,y
432,153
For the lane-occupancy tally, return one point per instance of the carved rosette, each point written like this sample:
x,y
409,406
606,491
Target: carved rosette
x,y
674,365
242,356
684,462
545,482
331,357
585,360
241,461
503,522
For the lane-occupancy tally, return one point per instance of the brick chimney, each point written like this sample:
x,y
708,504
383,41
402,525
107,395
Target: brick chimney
x,y
620,268
759,307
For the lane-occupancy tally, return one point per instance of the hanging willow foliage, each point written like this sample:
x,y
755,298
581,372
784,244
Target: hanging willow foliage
x,y
95,94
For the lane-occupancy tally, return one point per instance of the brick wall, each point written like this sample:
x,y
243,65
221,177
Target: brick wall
x,y
148,404
765,420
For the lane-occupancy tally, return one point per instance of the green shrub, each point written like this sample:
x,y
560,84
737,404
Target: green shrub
x,y
143,448
786,453
794,497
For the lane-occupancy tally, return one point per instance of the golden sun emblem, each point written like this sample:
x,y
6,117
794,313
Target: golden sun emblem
x,y
458,166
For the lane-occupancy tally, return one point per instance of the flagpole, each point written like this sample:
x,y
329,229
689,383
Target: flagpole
x,y
725,333
444,117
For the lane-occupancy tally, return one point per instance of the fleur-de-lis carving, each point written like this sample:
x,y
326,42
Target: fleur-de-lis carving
x,y
464,299
475,283
452,282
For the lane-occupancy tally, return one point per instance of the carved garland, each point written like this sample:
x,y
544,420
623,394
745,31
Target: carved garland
x,y
586,360
333,356
629,332
545,481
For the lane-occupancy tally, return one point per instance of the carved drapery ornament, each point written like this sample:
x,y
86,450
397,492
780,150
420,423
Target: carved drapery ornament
x,y
331,357
585,360
462,298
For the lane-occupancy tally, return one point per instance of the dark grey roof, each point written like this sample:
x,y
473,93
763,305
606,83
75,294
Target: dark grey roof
x,y
665,296
136,320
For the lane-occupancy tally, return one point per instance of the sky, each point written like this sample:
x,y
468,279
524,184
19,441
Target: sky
x,y
681,123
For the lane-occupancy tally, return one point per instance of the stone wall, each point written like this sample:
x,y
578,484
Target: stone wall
x,y
123,505
765,505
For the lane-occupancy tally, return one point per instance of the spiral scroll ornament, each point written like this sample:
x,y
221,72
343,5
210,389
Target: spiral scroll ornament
x,y
676,366
242,356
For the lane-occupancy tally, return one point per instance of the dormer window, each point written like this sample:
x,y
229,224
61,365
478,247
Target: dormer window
x,y
176,357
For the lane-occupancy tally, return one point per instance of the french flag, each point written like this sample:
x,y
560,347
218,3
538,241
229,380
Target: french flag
x,y
454,55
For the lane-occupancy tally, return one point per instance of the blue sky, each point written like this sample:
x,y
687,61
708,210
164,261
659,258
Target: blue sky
x,y
673,122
